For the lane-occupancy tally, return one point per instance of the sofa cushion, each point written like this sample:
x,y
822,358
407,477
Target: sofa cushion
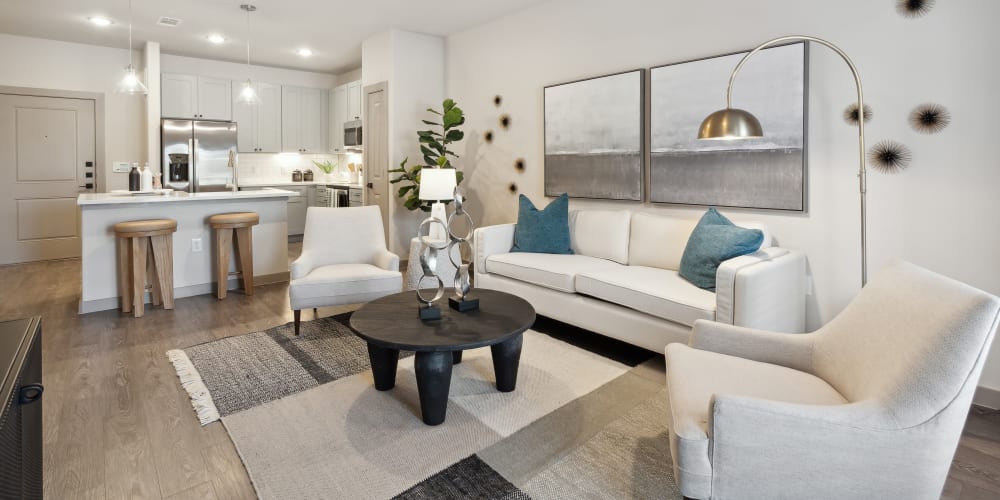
x,y
542,231
715,239
557,272
657,292
658,241
333,281
694,376
601,233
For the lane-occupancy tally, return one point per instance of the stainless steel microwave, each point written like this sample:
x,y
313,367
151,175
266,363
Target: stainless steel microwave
x,y
352,133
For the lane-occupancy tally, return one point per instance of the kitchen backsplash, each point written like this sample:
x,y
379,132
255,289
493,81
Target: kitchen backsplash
x,y
278,167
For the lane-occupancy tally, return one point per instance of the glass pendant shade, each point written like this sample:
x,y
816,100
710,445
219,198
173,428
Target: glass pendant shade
x,y
131,84
248,95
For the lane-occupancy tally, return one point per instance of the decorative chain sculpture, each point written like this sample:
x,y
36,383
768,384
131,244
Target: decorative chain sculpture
x,y
462,300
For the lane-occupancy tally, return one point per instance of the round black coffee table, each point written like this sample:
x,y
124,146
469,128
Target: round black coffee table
x,y
391,324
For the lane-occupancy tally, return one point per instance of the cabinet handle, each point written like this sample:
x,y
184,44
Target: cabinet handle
x,y
30,393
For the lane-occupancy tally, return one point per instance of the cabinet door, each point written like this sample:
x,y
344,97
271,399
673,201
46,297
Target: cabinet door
x,y
245,116
291,98
339,113
179,96
311,120
268,118
354,100
215,98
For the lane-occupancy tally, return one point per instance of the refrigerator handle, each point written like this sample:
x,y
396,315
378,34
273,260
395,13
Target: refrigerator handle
x,y
193,164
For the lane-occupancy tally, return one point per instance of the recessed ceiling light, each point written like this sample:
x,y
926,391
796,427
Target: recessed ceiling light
x,y
99,21
216,39
304,52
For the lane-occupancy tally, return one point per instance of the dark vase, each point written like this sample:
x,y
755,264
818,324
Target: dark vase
x,y
134,179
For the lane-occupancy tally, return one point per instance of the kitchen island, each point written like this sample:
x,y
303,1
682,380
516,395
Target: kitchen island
x,y
192,243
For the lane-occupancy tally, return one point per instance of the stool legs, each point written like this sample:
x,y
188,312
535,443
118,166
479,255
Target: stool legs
x,y
163,255
223,242
125,274
244,257
139,249
154,285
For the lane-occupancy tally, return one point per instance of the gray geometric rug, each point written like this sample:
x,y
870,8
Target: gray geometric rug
x,y
233,374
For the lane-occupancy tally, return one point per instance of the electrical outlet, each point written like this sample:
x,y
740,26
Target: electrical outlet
x,y
121,167
195,244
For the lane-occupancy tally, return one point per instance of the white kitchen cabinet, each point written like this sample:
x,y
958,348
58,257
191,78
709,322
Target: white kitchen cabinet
x,y
258,125
189,96
297,206
354,101
303,113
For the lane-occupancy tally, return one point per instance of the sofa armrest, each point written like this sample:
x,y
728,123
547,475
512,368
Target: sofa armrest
x,y
302,266
387,260
765,290
791,351
491,240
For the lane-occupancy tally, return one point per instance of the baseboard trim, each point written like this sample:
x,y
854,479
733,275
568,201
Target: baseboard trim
x,y
109,303
987,397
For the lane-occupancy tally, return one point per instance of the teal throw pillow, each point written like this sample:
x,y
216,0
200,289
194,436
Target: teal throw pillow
x,y
714,240
542,231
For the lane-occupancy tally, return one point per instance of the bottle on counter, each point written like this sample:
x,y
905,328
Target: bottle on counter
x,y
147,178
134,177
157,184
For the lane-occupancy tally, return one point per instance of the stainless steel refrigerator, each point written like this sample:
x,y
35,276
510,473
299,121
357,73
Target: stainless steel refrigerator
x,y
196,155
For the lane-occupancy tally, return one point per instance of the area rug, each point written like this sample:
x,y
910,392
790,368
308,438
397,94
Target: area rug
x,y
308,423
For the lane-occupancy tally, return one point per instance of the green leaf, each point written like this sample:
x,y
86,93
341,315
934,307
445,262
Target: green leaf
x,y
442,160
432,110
459,175
425,150
412,203
448,104
429,159
403,190
428,122
453,118
428,133
454,135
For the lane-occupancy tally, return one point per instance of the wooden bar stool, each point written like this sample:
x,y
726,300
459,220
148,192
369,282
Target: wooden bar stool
x,y
145,252
226,226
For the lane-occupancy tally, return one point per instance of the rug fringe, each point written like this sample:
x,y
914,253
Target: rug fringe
x,y
191,381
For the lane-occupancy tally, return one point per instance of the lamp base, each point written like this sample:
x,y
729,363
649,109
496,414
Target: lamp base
x,y
429,313
464,304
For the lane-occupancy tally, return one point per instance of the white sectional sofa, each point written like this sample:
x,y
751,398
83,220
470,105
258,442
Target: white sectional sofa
x,y
622,281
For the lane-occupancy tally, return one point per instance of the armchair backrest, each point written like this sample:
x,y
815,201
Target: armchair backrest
x,y
343,235
912,340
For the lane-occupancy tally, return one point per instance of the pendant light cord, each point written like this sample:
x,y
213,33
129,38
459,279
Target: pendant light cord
x,y
130,34
248,39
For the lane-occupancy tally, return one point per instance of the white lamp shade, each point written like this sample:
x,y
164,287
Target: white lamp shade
x,y
437,184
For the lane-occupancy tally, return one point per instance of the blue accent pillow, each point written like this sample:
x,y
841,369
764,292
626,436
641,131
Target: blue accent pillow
x,y
714,240
542,231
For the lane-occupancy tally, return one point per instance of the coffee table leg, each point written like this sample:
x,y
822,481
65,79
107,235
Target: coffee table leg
x,y
433,381
384,363
506,358
456,357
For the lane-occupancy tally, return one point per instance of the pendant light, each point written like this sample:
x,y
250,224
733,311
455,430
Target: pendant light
x,y
248,95
130,83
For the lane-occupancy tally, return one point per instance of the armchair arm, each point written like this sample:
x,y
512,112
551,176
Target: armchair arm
x,y
788,350
387,260
765,290
302,265
491,240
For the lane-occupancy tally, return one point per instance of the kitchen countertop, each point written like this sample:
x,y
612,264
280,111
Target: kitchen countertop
x,y
179,197
265,183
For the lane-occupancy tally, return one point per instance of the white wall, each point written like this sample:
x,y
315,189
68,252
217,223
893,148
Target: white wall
x,y
48,64
413,65
940,213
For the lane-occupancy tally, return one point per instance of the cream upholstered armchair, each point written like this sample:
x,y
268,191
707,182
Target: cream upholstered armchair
x,y
869,406
344,260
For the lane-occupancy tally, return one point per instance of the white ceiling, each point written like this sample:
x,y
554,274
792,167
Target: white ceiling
x,y
333,29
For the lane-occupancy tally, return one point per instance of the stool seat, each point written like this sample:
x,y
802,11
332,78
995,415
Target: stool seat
x,y
136,228
234,219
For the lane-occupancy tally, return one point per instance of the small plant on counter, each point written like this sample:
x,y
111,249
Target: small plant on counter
x,y
434,145
326,166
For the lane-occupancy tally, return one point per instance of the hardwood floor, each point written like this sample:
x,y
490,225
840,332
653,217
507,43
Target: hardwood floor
x,y
118,425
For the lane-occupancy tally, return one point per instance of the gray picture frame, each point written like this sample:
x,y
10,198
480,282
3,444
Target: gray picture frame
x,y
767,173
595,137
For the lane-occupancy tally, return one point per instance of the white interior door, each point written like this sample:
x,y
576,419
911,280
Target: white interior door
x,y
45,144
376,151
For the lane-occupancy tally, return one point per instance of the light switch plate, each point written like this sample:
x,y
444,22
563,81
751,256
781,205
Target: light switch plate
x,y
120,167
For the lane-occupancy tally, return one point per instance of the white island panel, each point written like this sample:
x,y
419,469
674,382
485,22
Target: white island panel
x,y
193,270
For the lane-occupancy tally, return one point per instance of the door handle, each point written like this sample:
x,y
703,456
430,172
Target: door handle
x,y
371,186
29,393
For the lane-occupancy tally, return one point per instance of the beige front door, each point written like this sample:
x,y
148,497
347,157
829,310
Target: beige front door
x,y
45,145
376,145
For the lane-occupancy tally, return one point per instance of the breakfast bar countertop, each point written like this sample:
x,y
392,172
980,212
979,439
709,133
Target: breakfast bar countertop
x,y
179,196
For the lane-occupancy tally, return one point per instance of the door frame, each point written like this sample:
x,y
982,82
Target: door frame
x,y
387,224
101,169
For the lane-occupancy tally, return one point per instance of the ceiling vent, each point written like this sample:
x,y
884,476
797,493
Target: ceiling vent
x,y
169,22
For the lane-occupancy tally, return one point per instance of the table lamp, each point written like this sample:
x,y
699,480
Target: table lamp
x,y
437,185
733,123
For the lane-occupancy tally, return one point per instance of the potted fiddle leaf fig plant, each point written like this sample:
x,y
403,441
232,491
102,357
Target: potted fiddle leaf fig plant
x,y
435,147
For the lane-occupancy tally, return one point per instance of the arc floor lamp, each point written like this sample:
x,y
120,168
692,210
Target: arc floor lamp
x,y
734,123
